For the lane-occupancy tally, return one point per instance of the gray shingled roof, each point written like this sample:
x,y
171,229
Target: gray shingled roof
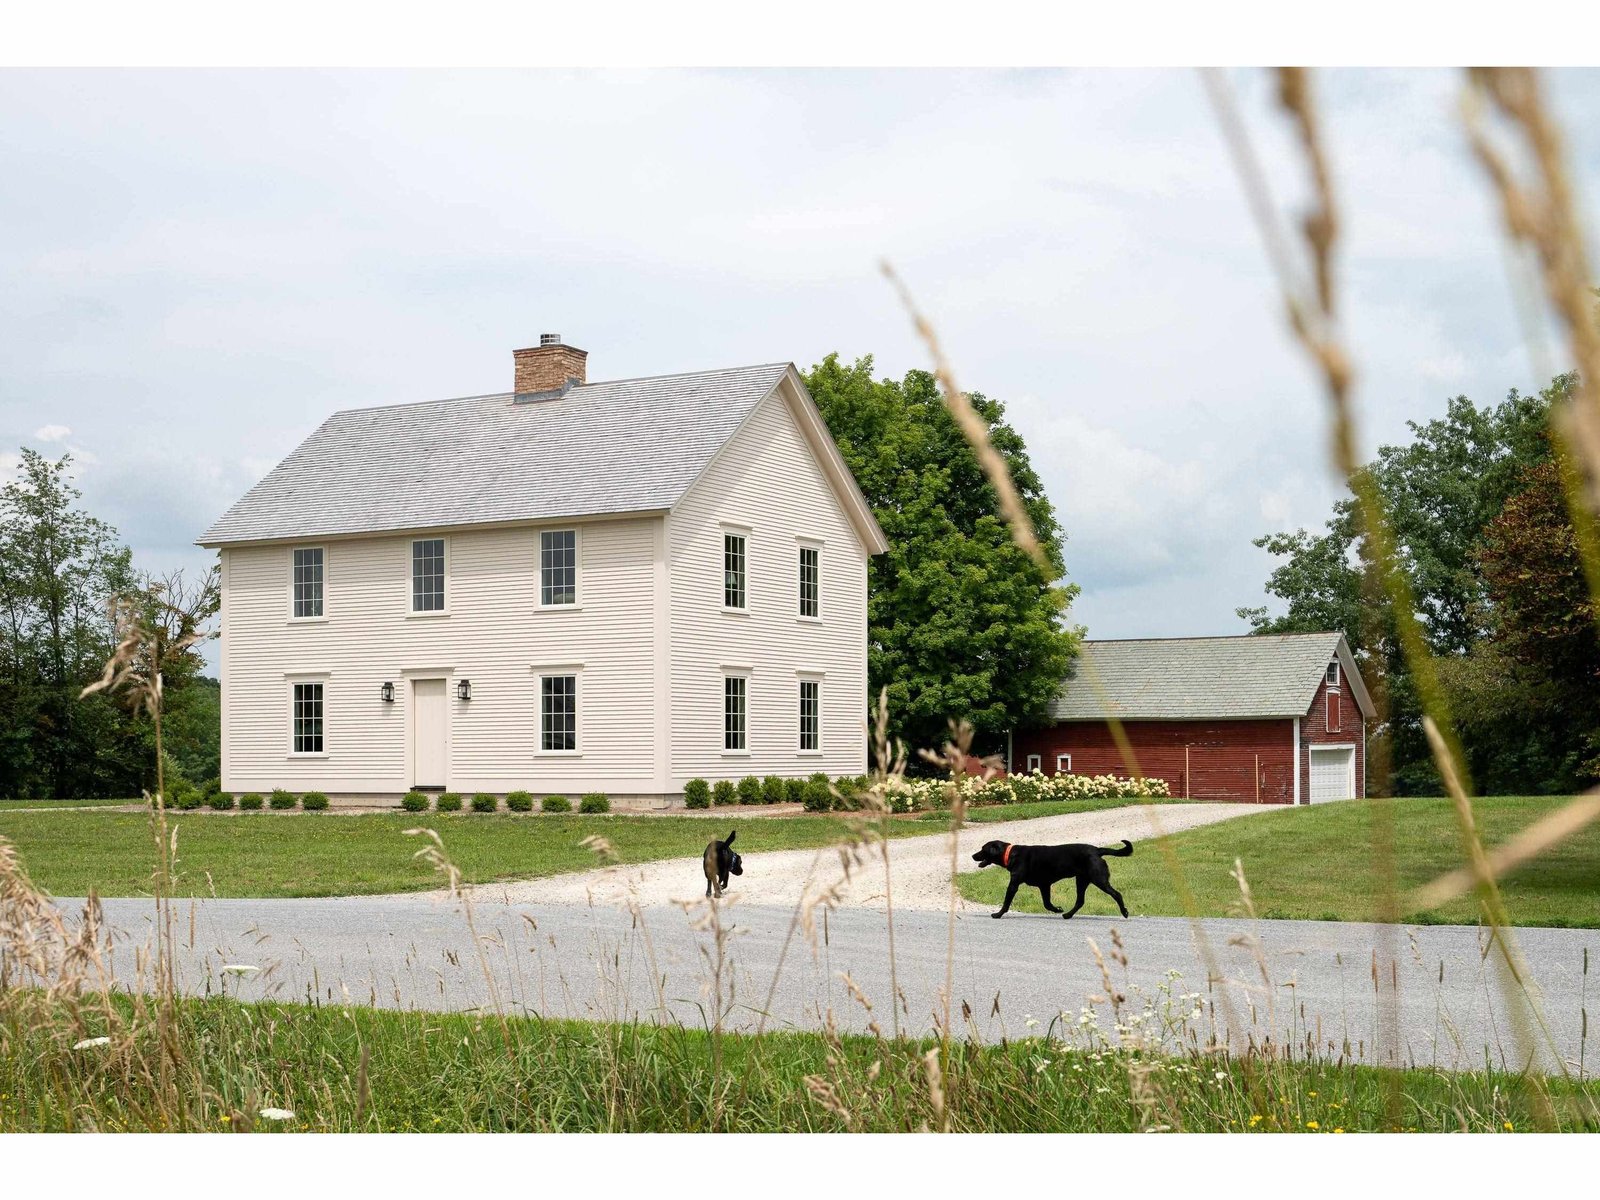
x,y
630,445
1209,678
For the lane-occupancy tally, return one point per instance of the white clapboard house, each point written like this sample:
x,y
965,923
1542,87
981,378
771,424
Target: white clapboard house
x,y
563,588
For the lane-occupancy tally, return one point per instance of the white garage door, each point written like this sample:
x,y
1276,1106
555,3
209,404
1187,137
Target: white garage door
x,y
1333,775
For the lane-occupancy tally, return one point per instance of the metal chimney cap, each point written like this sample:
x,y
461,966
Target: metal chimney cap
x,y
549,339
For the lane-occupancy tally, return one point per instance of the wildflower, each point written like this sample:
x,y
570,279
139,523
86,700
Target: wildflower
x,y
1312,1094
225,1119
276,1114
89,1043
1312,1125
1509,1127
1221,1075
1255,1119
239,969
1337,1129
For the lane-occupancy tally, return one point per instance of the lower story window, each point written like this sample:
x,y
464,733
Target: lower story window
x,y
1063,764
558,712
1033,762
735,693
810,709
308,718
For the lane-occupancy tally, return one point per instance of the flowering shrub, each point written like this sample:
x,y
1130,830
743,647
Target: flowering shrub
x,y
917,795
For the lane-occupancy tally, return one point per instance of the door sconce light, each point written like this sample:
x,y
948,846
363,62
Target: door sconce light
x,y
386,693
464,689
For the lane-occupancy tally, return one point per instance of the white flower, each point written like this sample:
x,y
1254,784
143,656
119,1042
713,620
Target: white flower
x,y
89,1043
276,1114
239,969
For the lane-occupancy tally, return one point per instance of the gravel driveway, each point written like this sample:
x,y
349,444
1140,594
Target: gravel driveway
x,y
920,865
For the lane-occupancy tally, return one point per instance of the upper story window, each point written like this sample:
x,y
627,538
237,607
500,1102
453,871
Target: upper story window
x,y
733,571
1335,722
1333,674
307,582
427,575
307,718
735,694
558,567
810,581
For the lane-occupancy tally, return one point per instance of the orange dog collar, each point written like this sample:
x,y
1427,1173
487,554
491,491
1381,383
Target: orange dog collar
x,y
1005,859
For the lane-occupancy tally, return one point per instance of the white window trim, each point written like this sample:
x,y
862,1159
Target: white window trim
x,y
818,678
431,614
541,672
290,678
1035,763
1331,675
724,529
289,566
727,673
808,543
1060,758
538,559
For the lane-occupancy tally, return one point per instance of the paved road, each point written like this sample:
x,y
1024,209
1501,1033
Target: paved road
x,y
1323,980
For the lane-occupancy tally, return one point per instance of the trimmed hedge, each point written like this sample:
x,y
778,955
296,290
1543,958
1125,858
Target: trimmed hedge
x,y
724,793
251,802
519,802
484,802
795,790
555,804
220,801
414,802
749,790
818,798
595,802
280,800
448,802
697,794
314,802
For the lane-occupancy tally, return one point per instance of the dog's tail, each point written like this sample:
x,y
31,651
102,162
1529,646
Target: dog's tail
x,y
1127,849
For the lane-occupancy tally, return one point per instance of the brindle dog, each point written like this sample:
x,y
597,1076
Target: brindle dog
x,y
719,861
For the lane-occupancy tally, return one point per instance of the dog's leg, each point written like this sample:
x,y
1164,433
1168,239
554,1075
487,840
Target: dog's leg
x,y
1083,886
1011,894
1113,893
1044,892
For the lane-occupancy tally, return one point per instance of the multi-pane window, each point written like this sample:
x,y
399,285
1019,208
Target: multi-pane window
x,y
733,594
1333,674
308,718
809,581
558,567
308,582
810,710
558,712
427,575
734,697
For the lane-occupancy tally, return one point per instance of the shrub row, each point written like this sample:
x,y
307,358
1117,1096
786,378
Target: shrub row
x,y
486,802
186,797
847,793
813,793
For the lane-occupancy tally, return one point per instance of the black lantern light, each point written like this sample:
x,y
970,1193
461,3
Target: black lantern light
x,y
386,693
464,689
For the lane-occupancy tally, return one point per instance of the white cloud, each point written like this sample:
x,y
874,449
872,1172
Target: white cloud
x,y
52,433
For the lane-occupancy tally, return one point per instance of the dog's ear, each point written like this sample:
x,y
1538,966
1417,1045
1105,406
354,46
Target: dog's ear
x,y
728,841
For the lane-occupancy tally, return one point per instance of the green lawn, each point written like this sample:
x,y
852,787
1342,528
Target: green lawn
x,y
339,1069
1316,862
303,854
49,804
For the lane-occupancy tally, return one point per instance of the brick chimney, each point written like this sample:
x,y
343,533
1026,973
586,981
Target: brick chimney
x,y
548,367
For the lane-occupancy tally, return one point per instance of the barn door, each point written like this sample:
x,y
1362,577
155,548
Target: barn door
x,y
428,716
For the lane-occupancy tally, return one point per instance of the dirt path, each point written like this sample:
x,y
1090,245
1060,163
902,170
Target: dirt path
x,y
920,865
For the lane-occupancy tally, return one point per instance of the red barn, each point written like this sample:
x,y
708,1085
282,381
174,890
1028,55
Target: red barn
x,y
1276,719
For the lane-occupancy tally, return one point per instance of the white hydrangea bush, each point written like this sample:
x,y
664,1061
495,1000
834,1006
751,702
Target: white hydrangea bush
x,y
1028,787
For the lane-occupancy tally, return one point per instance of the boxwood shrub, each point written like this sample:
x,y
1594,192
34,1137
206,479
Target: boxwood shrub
x,y
221,801
314,802
723,792
484,802
697,794
772,790
280,799
749,790
818,798
448,802
519,802
251,802
794,790
595,802
414,802
555,804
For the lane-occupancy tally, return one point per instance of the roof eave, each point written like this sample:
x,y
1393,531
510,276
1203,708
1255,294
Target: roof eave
x,y
300,539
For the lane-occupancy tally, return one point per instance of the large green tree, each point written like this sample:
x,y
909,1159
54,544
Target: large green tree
x,y
962,624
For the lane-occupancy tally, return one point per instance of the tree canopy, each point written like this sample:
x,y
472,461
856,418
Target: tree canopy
x,y
962,624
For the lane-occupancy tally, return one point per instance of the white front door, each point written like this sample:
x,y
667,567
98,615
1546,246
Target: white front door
x,y
1333,774
428,715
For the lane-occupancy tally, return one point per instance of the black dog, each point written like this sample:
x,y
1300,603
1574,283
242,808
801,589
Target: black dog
x,y
1042,866
719,862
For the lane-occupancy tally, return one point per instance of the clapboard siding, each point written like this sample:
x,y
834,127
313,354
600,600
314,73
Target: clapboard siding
x,y
495,635
765,479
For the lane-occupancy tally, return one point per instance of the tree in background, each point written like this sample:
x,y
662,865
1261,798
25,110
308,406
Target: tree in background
x,y
59,570
1442,491
962,624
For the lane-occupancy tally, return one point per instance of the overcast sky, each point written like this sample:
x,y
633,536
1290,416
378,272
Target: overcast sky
x,y
200,267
